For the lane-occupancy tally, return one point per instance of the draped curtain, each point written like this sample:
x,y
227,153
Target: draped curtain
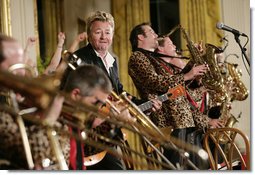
x,y
199,18
51,23
127,14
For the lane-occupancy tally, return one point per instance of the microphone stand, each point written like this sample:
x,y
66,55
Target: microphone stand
x,y
242,48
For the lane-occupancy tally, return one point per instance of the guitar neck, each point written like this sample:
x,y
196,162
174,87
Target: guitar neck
x,y
148,105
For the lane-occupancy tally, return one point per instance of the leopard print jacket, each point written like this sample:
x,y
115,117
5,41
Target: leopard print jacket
x,y
11,147
150,79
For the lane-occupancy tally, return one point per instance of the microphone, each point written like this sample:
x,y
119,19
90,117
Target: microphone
x,y
222,26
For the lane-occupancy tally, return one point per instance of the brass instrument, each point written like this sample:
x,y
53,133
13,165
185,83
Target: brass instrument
x,y
35,88
23,132
142,119
143,127
31,71
228,119
173,30
6,93
239,91
17,83
230,122
212,79
155,134
27,86
52,135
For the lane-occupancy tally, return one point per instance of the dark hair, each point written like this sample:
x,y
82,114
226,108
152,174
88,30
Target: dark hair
x,y
137,30
86,78
2,39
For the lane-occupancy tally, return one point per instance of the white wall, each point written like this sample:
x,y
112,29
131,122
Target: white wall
x,y
236,14
80,9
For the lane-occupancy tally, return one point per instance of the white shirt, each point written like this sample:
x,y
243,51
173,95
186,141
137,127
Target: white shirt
x,y
108,61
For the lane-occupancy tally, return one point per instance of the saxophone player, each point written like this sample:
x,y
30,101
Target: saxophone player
x,y
152,75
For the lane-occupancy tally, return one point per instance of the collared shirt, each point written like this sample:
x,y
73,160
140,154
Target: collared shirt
x,y
108,60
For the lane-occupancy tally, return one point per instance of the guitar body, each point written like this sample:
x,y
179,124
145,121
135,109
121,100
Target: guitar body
x,y
177,91
94,159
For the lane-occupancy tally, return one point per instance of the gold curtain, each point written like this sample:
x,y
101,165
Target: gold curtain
x,y
5,17
127,14
199,18
52,24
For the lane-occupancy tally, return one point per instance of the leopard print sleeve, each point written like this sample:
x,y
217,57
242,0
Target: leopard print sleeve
x,y
201,121
143,73
197,93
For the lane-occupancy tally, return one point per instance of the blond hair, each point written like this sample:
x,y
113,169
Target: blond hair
x,y
99,16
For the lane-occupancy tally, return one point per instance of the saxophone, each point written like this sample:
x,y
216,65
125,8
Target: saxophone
x,y
239,91
229,121
212,79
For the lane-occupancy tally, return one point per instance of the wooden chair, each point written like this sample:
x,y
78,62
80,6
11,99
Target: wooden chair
x,y
224,142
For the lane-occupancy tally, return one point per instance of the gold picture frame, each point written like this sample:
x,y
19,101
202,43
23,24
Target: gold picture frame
x,y
5,17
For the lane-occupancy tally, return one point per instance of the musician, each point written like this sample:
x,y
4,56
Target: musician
x,y
100,30
11,146
92,89
153,76
95,87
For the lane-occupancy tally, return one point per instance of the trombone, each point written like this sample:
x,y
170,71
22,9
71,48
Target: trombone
x,y
154,133
145,126
42,96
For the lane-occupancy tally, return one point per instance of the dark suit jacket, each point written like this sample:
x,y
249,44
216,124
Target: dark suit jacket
x,y
89,56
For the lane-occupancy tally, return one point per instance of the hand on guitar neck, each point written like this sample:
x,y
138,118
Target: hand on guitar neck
x,y
172,93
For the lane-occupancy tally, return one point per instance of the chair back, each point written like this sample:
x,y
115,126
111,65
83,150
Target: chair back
x,y
226,152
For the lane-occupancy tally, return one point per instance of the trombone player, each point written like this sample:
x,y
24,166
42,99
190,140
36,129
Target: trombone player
x,y
88,84
92,89
11,145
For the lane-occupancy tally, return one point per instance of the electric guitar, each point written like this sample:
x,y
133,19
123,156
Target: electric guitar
x,y
172,93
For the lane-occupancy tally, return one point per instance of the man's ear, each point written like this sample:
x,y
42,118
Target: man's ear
x,y
76,94
160,48
140,37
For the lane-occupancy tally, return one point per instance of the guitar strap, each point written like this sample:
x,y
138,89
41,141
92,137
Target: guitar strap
x,y
203,104
193,103
178,90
